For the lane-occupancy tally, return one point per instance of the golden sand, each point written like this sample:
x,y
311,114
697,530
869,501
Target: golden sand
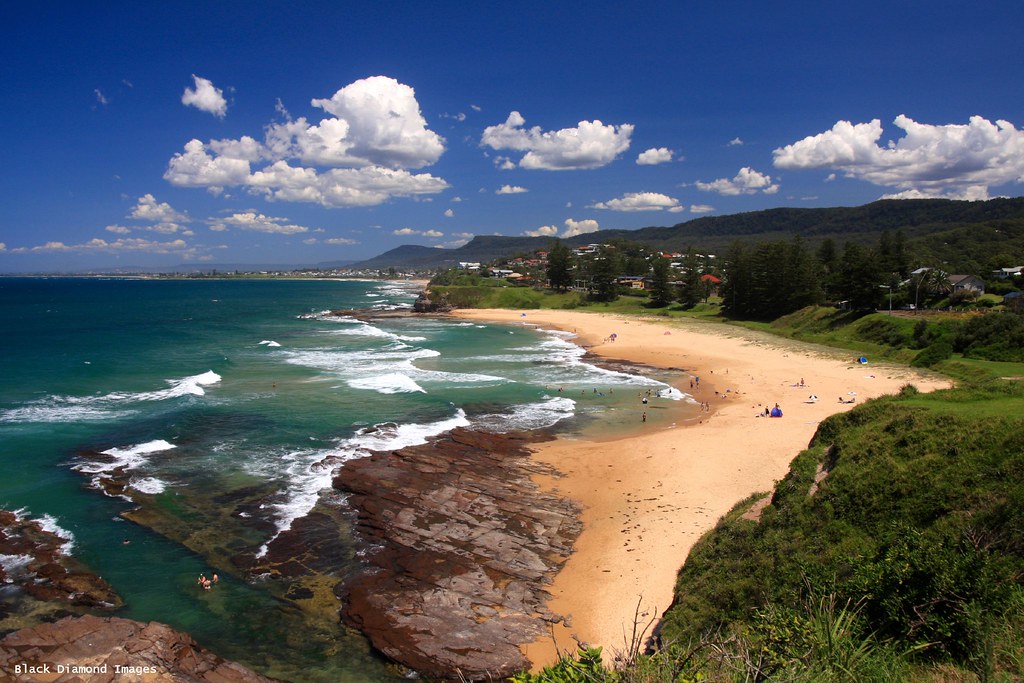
x,y
648,498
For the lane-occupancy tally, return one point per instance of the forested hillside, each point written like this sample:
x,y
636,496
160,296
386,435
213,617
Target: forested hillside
x,y
965,235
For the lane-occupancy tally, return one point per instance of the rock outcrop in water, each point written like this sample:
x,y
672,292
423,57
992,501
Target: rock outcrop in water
x,y
464,544
36,564
438,304
103,649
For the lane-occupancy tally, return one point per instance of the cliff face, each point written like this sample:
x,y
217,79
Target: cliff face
x,y
464,544
101,649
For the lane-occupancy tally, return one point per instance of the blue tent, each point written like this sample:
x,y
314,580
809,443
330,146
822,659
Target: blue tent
x,y
776,412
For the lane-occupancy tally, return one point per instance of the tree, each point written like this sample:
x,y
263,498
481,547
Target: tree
x,y
604,270
661,288
559,270
692,290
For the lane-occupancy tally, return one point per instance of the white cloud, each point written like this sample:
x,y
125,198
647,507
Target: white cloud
x,y
424,233
120,245
100,97
510,189
375,133
654,156
206,97
952,160
735,142
504,163
641,201
148,209
3,247
257,222
573,228
195,167
118,229
383,123
590,145
701,208
449,213
339,241
747,181
542,231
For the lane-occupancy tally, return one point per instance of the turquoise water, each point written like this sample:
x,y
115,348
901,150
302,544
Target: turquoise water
x,y
201,388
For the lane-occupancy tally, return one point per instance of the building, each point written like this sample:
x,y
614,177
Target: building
x,y
967,283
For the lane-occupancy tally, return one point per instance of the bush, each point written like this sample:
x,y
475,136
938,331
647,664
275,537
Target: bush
x,y
936,353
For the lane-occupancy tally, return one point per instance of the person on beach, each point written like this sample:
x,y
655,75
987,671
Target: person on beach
x,y
643,418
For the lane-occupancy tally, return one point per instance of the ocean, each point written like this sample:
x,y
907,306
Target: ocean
x,y
204,392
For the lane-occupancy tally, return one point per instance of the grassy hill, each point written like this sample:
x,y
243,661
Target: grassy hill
x,y
911,509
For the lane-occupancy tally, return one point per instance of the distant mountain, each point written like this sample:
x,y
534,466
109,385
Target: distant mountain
x,y
915,218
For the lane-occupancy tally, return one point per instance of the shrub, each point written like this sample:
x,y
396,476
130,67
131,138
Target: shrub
x,y
936,353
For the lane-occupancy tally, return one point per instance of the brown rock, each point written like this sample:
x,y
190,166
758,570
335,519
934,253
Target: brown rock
x,y
98,650
47,574
464,543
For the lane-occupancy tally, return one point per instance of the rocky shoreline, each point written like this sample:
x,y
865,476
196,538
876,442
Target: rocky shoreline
x,y
92,649
464,545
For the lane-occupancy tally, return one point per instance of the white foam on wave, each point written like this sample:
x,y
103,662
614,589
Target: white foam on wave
x,y
528,416
15,567
107,406
150,485
269,342
307,479
49,523
391,383
367,330
128,459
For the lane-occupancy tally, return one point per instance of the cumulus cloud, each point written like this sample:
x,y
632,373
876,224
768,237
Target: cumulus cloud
x,y
735,142
340,241
542,231
572,228
374,134
257,222
149,209
3,247
641,201
654,156
510,189
423,233
449,213
747,181
701,208
97,244
952,160
591,144
118,229
205,97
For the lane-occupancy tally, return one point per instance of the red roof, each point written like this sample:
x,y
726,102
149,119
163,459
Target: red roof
x,y
710,278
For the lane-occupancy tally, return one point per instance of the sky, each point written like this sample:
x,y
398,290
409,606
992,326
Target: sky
x,y
156,134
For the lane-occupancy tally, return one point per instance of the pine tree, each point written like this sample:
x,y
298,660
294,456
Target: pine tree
x,y
661,288
559,270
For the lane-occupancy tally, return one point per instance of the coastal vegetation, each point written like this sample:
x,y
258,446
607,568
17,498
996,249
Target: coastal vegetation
x,y
892,550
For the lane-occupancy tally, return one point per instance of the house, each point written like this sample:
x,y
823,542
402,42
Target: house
x,y
632,281
967,283
1004,273
1013,301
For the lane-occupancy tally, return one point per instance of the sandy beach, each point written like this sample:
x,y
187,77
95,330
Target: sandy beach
x,y
648,498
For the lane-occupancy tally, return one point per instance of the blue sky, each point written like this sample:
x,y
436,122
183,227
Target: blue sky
x,y
258,132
